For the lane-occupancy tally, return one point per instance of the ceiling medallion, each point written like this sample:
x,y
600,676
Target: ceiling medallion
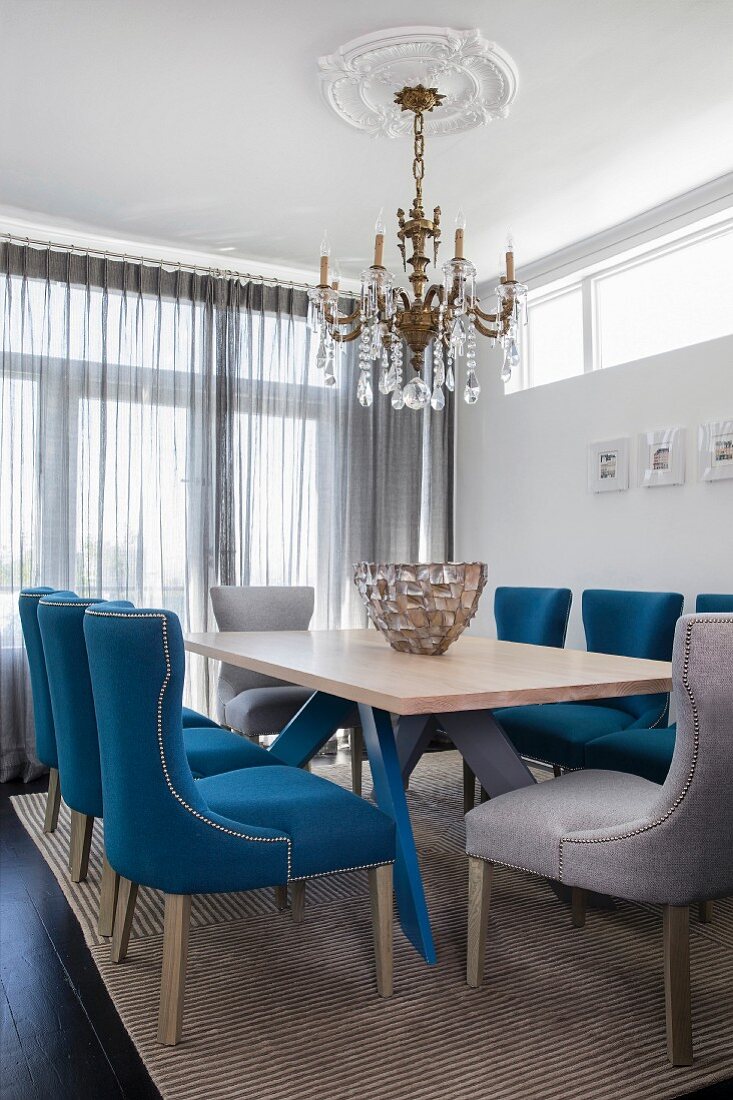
x,y
359,81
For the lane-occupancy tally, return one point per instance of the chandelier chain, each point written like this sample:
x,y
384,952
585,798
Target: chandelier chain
x,y
418,164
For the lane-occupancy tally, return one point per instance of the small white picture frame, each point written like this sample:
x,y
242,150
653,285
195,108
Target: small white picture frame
x,y
608,465
715,450
662,457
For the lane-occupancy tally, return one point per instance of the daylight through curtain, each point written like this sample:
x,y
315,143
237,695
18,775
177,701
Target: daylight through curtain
x,y
163,431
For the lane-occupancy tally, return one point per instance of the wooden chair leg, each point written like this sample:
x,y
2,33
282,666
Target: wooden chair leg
x,y
107,899
297,901
357,758
556,771
677,984
81,841
281,897
53,801
173,977
469,788
483,795
479,898
380,891
126,898
578,906
705,911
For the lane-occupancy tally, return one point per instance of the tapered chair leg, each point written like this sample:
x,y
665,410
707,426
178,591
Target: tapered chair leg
x,y
479,898
556,771
53,801
297,901
469,788
705,911
81,841
126,898
281,897
357,758
380,890
173,977
107,898
578,906
677,984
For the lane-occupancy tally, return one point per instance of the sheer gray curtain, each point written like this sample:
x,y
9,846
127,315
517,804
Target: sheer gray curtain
x,y
162,431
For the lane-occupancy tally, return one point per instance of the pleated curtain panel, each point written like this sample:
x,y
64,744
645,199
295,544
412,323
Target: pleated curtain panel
x,y
162,431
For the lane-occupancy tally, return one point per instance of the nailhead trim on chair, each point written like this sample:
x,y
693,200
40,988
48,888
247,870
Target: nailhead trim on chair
x,y
696,728
169,783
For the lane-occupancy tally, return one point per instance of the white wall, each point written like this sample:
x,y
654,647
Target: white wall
x,y
522,502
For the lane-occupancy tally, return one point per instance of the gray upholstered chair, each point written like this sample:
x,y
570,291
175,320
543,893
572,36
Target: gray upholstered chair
x,y
619,834
254,704
250,702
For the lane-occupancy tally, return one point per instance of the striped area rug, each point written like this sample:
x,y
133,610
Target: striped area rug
x,y
276,1011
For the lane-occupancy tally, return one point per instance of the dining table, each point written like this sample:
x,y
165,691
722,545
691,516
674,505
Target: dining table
x,y
403,697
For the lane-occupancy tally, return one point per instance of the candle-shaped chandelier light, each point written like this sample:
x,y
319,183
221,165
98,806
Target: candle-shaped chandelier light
x,y
445,316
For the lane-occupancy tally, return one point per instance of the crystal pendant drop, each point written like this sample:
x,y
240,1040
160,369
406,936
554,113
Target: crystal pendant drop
x,y
417,394
506,371
450,381
364,390
438,399
512,353
386,381
473,388
398,398
329,378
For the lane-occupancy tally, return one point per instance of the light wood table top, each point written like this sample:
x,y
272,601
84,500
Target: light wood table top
x,y
475,673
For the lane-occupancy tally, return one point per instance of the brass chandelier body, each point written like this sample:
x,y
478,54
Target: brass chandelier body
x,y
445,315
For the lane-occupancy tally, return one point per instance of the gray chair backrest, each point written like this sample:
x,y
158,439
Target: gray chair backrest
x,y
680,848
238,607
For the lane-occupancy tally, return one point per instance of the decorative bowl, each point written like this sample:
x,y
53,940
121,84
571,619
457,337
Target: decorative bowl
x,y
421,608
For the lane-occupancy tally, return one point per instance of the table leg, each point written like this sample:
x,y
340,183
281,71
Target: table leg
x,y
379,740
487,750
412,737
310,728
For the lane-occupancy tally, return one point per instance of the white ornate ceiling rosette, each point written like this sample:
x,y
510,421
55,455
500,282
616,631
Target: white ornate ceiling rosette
x,y
478,79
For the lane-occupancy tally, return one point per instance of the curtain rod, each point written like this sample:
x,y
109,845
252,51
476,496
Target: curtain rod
x,y
195,268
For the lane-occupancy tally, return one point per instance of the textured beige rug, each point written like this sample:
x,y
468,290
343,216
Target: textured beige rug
x,y
276,1011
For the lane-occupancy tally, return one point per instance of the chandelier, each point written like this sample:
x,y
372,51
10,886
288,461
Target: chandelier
x,y
445,316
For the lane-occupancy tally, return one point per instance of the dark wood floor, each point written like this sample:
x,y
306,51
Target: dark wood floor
x,y
60,1035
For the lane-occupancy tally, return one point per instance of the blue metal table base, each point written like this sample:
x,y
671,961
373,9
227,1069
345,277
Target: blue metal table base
x,y
301,739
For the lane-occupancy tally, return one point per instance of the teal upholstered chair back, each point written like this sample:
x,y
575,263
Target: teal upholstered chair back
x,y
536,616
158,829
715,602
28,602
633,624
61,622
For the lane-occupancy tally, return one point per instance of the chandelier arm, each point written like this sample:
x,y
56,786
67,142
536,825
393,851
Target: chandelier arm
x,y
404,298
492,318
433,292
343,319
492,333
346,337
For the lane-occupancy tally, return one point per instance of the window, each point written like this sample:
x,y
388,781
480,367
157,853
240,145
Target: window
x,y
673,294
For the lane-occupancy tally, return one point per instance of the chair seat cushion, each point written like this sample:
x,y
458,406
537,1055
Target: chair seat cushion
x,y
211,750
523,828
637,751
193,718
264,710
557,732
330,828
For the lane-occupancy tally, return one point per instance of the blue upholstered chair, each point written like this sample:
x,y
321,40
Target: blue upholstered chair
x,y
532,616
210,750
42,714
241,831
535,616
633,624
647,753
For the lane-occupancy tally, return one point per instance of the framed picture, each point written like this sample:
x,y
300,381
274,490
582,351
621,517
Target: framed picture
x,y
608,465
715,450
662,457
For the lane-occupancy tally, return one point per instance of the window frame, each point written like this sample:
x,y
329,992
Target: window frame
x,y
588,280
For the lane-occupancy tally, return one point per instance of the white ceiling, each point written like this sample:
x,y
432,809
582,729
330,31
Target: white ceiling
x,y
202,126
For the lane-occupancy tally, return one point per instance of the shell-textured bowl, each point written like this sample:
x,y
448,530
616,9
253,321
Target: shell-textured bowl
x,y
421,608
